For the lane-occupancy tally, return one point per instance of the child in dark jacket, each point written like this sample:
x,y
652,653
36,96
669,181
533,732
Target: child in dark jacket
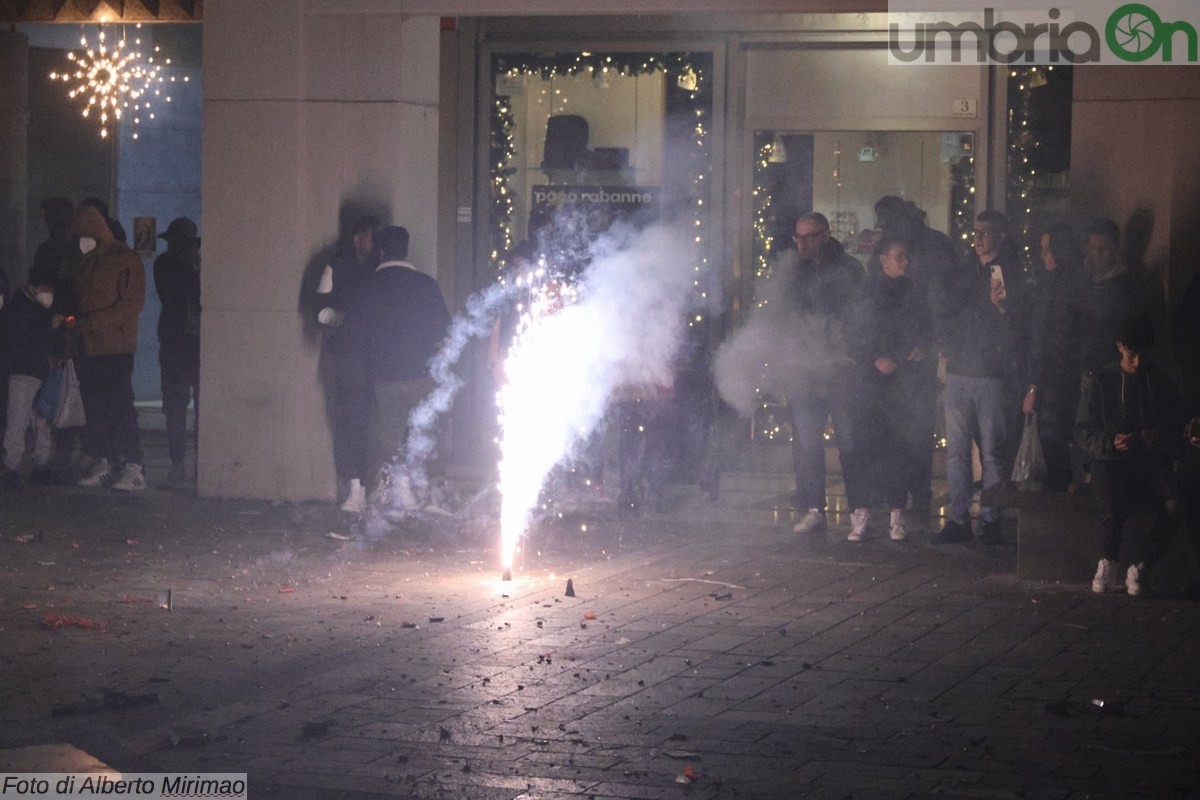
x,y
28,350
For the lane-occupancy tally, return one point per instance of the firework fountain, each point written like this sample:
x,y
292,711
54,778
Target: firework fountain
x,y
620,325
617,323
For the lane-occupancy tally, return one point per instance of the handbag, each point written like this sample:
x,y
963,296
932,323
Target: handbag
x,y
1029,469
69,413
45,402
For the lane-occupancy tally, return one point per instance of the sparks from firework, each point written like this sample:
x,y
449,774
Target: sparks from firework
x,y
114,80
547,293
620,324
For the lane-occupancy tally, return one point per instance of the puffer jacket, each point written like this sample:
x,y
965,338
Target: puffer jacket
x,y
111,290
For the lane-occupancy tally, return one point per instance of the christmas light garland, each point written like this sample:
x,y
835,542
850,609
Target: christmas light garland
x,y
690,75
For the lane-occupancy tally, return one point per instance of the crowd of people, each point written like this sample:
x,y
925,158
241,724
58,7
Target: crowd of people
x,y
80,306
1069,340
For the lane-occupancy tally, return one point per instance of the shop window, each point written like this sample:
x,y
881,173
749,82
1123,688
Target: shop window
x,y
842,174
603,136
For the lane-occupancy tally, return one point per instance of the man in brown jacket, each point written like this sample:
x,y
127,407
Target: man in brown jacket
x,y
111,291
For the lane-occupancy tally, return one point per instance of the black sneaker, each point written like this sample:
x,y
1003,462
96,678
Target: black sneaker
x,y
990,534
953,533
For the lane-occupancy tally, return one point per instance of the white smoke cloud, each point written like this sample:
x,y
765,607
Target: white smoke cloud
x,y
779,351
624,330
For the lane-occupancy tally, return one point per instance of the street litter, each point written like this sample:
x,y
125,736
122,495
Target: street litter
x,y
589,615
687,776
190,737
287,590
721,595
110,701
682,755
23,538
56,621
341,537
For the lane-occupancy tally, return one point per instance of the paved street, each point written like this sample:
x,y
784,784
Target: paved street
x,y
708,653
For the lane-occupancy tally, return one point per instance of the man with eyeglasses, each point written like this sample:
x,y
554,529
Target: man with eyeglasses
x,y
823,288
979,336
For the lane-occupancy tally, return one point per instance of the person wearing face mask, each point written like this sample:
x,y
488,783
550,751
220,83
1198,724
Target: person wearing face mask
x,y
111,291
28,350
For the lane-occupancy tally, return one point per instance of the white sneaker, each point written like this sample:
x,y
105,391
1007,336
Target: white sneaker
x,y
131,480
812,521
1133,579
860,518
101,474
896,531
356,501
1102,581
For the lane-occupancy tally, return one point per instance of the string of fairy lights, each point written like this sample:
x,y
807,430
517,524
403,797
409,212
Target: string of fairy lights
x,y
1021,146
116,80
686,200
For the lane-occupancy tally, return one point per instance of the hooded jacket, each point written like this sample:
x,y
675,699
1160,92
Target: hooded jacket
x,y
111,290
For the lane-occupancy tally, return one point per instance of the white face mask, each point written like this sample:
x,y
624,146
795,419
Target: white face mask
x,y
86,244
45,298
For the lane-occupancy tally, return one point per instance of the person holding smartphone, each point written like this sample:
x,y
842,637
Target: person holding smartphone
x,y
979,333
1131,423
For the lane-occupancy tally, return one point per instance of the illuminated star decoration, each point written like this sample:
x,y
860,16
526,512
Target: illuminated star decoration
x,y
114,80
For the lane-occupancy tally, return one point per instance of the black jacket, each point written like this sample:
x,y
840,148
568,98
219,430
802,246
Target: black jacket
x,y
979,340
29,341
1054,356
396,322
1113,402
891,318
177,281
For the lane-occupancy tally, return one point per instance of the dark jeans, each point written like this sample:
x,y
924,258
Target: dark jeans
x,y
106,384
899,428
353,403
1056,406
1122,486
179,372
809,417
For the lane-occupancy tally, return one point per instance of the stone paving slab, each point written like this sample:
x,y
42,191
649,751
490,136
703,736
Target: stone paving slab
x,y
765,664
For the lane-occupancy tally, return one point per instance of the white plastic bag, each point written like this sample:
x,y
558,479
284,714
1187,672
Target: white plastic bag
x,y
1029,469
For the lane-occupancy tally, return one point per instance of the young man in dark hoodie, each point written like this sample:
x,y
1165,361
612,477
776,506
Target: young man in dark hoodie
x,y
1131,423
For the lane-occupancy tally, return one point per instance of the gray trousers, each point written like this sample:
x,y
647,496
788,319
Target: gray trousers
x,y
22,389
